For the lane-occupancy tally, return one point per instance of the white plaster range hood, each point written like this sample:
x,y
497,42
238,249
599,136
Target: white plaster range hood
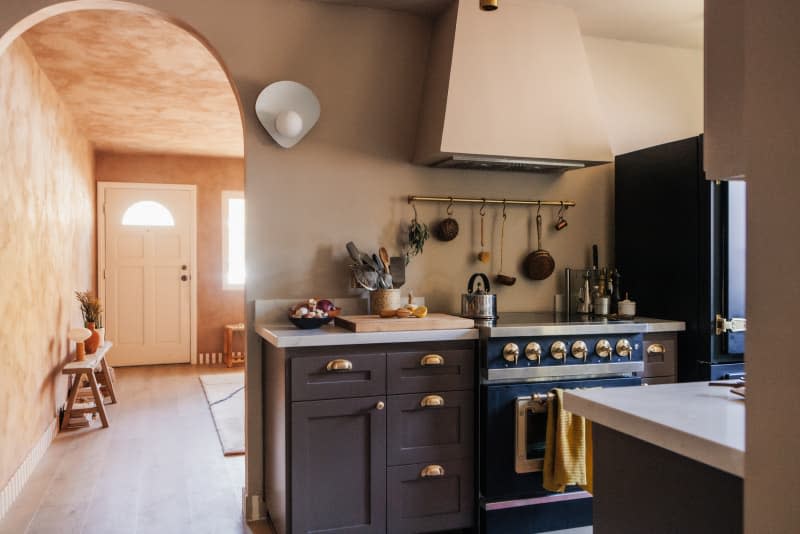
x,y
510,89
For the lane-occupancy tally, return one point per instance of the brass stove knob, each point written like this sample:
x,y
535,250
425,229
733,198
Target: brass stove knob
x,y
511,353
579,350
533,351
624,348
558,350
603,348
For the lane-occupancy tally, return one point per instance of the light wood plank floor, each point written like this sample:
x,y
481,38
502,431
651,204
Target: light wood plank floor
x,y
157,469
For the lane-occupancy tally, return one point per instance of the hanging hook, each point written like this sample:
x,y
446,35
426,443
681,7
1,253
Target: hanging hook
x,y
450,208
504,209
483,208
561,222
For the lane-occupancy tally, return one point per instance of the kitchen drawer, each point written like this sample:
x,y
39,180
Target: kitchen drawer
x,y
432,370
359,375
660,354
655,380
441,501
417,433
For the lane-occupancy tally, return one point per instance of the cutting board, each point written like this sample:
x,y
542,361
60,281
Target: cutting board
x,y
374,323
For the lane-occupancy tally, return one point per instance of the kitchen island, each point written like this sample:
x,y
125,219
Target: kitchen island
x,y
369,431
670,455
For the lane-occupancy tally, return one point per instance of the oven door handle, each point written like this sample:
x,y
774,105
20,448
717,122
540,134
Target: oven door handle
x,y
523,405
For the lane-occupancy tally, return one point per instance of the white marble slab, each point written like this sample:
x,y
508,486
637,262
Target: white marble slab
x,y
702,422
285,336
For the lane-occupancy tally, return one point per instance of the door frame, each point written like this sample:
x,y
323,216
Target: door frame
x,y
101,247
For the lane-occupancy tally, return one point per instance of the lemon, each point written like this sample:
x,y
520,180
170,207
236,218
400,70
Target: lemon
x,y
420,311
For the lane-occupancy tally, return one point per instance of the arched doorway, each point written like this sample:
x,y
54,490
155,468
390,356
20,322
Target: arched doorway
x,y
63,132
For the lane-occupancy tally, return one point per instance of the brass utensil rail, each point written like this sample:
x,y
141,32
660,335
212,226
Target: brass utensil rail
x,y
506,201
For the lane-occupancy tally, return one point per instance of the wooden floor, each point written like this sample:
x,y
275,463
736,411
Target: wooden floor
x,y
157,469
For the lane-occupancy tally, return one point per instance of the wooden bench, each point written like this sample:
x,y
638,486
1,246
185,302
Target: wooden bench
x,y
227,343
91,368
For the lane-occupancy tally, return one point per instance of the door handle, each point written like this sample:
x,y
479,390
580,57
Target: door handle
x,y
431,359
339,364
429,401
432,471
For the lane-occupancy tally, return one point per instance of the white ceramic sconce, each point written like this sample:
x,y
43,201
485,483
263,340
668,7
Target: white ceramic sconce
x,y
287,111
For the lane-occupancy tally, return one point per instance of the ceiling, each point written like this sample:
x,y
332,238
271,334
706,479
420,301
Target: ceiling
x,y
664,22
136,83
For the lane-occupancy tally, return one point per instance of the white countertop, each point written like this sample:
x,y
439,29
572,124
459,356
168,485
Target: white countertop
x,y
287,335
693,419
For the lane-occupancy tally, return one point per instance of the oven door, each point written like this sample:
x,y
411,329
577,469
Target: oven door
x,y
530,433
512,435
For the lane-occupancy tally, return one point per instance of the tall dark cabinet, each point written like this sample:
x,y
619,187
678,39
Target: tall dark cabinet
x,y
680,247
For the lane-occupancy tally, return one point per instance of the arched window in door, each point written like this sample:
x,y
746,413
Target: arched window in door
x,y
147,213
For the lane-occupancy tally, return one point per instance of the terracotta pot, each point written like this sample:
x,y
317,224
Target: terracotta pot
x,y
93,342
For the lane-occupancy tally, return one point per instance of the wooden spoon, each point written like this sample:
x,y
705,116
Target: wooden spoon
x,y
384,255
483,256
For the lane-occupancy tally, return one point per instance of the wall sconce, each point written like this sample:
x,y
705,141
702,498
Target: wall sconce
x,y
489,5
287,111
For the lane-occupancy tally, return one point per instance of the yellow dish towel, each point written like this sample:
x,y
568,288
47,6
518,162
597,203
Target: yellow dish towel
x,y
568,448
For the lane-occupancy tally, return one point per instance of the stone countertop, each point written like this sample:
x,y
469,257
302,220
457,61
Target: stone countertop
x,y
692,419
287,336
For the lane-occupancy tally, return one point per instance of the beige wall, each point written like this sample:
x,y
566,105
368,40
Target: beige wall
x,y
46,249
215,306
347,180
648,94
772,139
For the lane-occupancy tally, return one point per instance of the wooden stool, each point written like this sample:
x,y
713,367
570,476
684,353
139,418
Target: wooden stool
x,y
91,368
227,343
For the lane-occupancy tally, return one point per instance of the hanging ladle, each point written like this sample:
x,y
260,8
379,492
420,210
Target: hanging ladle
x,y
503,278
483,256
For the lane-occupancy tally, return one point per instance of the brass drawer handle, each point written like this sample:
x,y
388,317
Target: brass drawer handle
x,y
656,348
429,401
432,471
431,360
339,364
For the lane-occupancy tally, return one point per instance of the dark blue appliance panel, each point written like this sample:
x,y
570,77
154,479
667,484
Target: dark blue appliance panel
x,y
734,275
494,351
499,479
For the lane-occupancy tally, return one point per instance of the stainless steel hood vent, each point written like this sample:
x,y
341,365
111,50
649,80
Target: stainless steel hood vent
x,y
509,90
497,163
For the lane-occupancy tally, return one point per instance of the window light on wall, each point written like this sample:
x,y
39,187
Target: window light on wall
x,y
233,240
147,213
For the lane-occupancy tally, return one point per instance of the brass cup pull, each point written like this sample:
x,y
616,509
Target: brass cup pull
x,y
432,471
430,401
656,348
431,359
339,364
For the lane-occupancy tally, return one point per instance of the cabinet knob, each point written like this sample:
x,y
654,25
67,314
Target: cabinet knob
x,y
432,471
431,359
339,364
603,348
429,401
511,353
380,406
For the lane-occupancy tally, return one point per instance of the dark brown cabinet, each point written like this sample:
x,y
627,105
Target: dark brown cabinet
x,y
372,438
339,465
660,358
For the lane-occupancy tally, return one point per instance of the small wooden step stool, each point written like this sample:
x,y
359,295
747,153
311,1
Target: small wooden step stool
x,y
92,368
227,343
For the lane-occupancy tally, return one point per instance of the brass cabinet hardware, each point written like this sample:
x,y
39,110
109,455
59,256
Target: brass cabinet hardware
x,y
429,401
431,359
656,348
380,406
432,471
339,364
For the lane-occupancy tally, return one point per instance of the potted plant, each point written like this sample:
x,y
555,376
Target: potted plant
x,y
92,312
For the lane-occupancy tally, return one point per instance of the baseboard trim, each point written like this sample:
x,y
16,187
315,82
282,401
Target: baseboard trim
x,y
211,358
16,484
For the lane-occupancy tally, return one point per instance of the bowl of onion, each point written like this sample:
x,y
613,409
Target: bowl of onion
x,y
312,313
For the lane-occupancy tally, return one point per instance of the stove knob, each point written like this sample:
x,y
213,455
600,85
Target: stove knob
x,y
511,353
533,351
603,348
558,350
579,350
624,348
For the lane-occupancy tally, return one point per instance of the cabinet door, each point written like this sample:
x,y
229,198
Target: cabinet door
x,y
338,466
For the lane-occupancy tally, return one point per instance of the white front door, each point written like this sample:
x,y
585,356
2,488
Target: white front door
x,y
149,238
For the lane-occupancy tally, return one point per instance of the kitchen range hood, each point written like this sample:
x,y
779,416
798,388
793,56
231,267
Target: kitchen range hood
x,y
510,90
